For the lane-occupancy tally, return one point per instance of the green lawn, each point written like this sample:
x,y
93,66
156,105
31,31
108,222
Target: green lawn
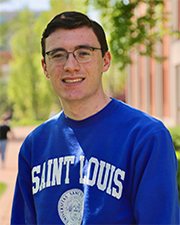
x,y
2,188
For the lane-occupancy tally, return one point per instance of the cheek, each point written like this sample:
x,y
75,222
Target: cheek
x,y
96,66
95,75
54,78
54,72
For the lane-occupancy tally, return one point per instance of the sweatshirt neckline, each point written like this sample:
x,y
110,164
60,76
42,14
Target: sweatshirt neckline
x,y
103,113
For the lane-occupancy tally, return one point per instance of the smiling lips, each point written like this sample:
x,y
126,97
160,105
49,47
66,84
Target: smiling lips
x,y
73,80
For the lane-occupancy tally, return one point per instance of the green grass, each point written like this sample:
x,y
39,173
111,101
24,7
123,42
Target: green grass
x,y
26,122
2,188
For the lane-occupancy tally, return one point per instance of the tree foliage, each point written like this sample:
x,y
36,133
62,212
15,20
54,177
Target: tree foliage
x,y
4,1
135,24
28,89
126,26
68,5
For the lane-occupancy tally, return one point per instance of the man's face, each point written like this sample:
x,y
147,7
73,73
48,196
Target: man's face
x,y
74,81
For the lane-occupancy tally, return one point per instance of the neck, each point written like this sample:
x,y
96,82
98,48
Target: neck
x,y
79,110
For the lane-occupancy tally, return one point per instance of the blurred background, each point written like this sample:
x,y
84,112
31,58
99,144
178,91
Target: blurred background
x,y
144,40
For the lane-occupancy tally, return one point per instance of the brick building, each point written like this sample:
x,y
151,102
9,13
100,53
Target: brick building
x,y
155,87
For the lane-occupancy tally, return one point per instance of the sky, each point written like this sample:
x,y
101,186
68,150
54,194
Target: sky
x,y
13,5
37,5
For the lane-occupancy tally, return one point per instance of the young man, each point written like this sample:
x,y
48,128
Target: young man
x,y
99,161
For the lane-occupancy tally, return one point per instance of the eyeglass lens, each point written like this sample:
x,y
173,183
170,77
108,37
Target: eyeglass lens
x,y
81,55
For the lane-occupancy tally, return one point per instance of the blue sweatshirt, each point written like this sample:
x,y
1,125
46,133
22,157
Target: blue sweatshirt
x,y
115,167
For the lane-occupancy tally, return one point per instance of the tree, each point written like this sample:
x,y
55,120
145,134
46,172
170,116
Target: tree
x,y
27,88
129,30
4,1
30,92
65,5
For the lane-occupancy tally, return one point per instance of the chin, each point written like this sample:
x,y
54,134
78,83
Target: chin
x,y
73,98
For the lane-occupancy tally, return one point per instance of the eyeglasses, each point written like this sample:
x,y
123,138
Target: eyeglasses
x,y
82,55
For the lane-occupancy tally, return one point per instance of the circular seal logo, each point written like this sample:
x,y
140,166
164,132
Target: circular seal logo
x,y
70,207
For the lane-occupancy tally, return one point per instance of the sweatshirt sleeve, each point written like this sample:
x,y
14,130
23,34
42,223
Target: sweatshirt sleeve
x,y
155,180
23,210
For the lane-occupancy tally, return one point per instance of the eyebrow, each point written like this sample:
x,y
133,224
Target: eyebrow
x,y
83,46
55,50
62,49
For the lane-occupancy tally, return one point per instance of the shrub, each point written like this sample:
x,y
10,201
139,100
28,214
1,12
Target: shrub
x,y
2,188
175,133
178,174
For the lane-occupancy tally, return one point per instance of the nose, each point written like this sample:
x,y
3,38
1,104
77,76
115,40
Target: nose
x,y
71,63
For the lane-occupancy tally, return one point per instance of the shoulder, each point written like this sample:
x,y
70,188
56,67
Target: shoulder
x,y
136,121
48,125
40,135
46,128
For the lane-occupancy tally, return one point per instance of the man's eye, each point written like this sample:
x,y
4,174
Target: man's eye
x,y
58,55
84,53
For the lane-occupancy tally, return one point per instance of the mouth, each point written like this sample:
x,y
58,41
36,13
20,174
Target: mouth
x,y
71,81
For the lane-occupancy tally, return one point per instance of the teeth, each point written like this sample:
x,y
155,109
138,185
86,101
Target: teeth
x,y
73,81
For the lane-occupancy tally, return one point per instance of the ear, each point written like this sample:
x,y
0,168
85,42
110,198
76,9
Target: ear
x,y
44,66
107,61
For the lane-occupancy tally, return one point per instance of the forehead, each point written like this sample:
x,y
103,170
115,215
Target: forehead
x,y
70,38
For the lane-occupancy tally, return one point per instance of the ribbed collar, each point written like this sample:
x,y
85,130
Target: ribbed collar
x,y
99,116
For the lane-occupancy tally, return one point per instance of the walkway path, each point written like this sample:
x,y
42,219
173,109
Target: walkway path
x,y
9,173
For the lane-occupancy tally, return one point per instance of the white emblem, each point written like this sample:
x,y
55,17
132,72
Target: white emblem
x,y
70,207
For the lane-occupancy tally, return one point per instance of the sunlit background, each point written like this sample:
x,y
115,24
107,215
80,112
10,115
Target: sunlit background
x,y
14,5
143,39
